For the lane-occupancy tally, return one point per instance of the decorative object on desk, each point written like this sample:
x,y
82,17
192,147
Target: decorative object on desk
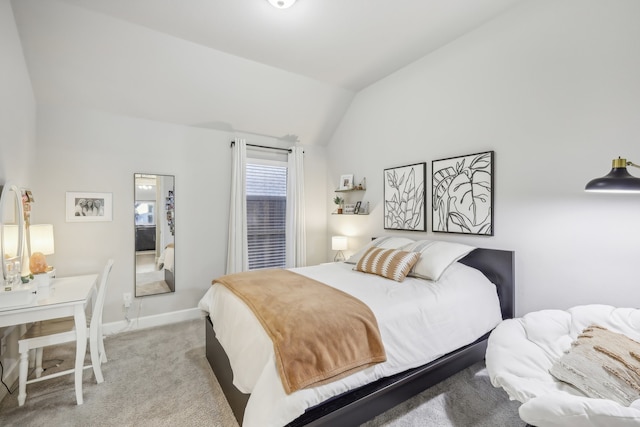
x,y
339,244
404,198
462,192
616,181
346,182
356,209
89,207
338,201
27,199
41,243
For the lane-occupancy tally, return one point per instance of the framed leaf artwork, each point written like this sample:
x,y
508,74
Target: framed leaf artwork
x,y
462,192
404,198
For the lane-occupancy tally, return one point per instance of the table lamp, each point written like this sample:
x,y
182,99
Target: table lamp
x,y
339,243
41,243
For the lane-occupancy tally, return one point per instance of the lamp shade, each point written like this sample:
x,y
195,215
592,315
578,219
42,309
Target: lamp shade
x,y
282,4
339,243
41,238
616,181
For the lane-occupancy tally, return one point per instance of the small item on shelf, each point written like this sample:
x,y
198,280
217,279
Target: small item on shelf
x,y
346,182
362,185
338,201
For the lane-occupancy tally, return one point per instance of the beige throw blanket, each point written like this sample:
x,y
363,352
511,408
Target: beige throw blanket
x,y
319,333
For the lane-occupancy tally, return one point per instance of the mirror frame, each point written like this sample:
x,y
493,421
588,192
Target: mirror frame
x,y
5,192
161,233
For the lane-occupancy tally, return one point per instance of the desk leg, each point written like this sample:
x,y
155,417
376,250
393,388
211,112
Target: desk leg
x,y
81,348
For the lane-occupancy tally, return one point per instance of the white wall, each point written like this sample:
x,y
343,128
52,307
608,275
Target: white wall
x,y
17,139
551,86
82,150
17,104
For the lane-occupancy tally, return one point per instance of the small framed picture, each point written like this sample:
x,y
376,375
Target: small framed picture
x,y
89,207
356,210
346,182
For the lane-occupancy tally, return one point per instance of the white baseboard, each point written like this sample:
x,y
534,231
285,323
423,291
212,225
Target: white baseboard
x,y
113,328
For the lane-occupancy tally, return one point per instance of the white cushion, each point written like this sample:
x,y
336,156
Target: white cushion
x,y
385,242
436,257
521,351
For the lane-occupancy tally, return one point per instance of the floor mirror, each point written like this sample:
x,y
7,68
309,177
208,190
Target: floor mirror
x,y
154,223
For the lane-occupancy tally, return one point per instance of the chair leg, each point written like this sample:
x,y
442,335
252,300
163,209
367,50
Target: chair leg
x,y
95,358
39,370
22,378
103,354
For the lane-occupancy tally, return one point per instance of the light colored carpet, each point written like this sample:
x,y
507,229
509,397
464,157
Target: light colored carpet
x,y
160,377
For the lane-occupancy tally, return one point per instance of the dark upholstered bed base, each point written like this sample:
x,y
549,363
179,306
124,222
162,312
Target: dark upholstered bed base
x,y
357,406
171,282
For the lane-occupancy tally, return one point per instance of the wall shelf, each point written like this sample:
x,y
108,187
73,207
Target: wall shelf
x,y
349,190
350,200
349,214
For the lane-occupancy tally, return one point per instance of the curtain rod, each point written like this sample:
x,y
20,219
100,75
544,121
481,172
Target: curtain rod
x,y
288,150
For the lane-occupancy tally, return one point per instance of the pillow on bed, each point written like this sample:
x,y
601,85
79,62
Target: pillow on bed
x,y
436,257
599,363
386,242
393,264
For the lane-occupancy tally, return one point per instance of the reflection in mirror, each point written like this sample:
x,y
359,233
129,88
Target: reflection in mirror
x,y
11,235
154,216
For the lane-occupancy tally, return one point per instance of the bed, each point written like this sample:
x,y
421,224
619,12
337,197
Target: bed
x,y
367,393
166,263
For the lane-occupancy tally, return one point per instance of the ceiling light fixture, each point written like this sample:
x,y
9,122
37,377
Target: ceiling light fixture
x,y
282,4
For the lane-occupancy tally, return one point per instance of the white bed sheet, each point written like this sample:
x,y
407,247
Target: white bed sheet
x,y
419,321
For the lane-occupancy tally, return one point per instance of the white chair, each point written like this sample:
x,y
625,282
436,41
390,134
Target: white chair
x,y
521,352
59,331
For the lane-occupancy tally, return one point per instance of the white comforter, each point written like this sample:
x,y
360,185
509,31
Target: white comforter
x,y
419,321
521,351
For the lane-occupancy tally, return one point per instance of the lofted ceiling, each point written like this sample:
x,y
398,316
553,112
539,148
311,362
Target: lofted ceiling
x,y
237,65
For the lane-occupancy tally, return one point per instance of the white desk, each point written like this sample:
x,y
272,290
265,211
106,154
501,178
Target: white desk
x,y
68,296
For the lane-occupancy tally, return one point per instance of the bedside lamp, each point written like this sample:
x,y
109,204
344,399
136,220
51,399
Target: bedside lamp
x,y
339,243
41,243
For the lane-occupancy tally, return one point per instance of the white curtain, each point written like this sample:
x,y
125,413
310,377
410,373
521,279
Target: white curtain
x,y
237,252
296,235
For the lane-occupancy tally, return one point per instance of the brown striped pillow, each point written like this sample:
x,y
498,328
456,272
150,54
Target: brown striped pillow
x,y
390,263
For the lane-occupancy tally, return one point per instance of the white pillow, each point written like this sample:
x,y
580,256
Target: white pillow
x,y
436,257
385,242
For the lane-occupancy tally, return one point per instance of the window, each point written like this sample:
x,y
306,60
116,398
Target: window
x,y
266,214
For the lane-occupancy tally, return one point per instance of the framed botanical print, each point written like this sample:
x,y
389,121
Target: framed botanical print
x,y
462,194
404,198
